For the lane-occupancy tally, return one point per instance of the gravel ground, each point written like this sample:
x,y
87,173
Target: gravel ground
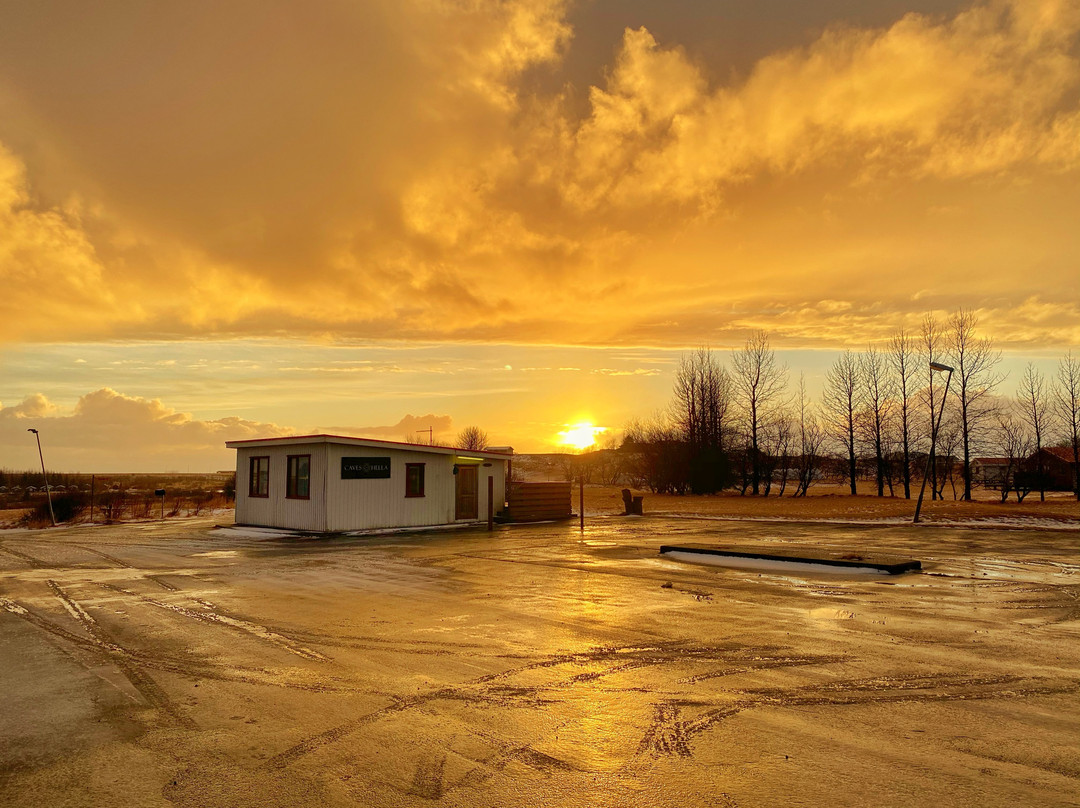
x,y
179,664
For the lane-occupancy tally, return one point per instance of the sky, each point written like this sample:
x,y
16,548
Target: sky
x,y
246,219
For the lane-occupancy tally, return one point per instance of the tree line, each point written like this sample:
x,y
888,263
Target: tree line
x,y
737,422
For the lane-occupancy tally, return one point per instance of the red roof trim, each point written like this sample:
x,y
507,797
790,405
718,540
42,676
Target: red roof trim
x,y
1063,452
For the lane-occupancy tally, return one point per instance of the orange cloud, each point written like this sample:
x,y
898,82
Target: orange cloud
x,y
398,172
49,268
113,431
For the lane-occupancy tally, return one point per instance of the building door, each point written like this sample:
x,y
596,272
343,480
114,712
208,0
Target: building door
x,y
468,501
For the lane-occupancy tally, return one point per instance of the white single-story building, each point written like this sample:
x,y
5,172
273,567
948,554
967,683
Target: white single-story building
x,y
333,483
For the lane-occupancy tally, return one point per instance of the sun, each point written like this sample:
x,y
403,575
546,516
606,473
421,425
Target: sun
x,y
580,435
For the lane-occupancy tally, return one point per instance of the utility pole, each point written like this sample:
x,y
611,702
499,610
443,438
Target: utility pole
x,y
580,463
48,493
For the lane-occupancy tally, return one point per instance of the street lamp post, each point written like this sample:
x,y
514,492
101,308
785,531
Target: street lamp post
x,y
48,492
935,425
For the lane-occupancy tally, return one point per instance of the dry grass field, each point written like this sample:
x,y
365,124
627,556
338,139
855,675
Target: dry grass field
x,y
824,503
834,503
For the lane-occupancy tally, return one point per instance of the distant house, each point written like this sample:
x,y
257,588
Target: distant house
x,y
1058,465
991,472
331,483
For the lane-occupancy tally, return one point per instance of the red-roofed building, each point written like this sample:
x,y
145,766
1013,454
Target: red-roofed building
x,y
1059,467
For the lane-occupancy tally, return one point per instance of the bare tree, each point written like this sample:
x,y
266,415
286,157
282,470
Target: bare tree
x,y
1067,404
842,400
472,438
760,382
975,360
904,366
877,398
811,441
948,441
702,407
1035,411
606,463
776,461
656,455
741,462
1014,440
813,455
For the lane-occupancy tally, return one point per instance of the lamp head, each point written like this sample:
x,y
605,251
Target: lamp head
x,y
32,430
939,366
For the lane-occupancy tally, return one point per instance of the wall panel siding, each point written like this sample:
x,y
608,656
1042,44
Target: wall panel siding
x,y
362,504
297,514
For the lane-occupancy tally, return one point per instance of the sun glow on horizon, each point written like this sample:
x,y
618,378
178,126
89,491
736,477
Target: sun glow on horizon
x,y
580,435
541,252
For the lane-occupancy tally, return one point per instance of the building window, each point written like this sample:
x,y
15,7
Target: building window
x,y
259,477
298,477
414,479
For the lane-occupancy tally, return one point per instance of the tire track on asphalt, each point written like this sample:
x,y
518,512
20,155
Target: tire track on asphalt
x,y
763,663
124,565
506,752
669,734
637,656
160,581
416,647
139,679
34,563
106,556
477,691
436,646
186,668
315,742
521,753
428,779
216,618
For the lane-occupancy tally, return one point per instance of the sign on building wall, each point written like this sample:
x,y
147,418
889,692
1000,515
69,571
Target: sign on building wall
x,y
365,468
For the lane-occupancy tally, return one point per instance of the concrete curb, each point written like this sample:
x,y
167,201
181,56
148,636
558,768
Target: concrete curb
x,y
889,569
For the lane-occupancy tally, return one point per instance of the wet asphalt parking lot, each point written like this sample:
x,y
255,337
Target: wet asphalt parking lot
x,y
180,664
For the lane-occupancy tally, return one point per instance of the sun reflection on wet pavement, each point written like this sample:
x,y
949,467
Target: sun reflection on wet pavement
x,y
535,664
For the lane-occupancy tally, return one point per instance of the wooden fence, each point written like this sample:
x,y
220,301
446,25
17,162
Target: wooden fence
x,y
539,502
